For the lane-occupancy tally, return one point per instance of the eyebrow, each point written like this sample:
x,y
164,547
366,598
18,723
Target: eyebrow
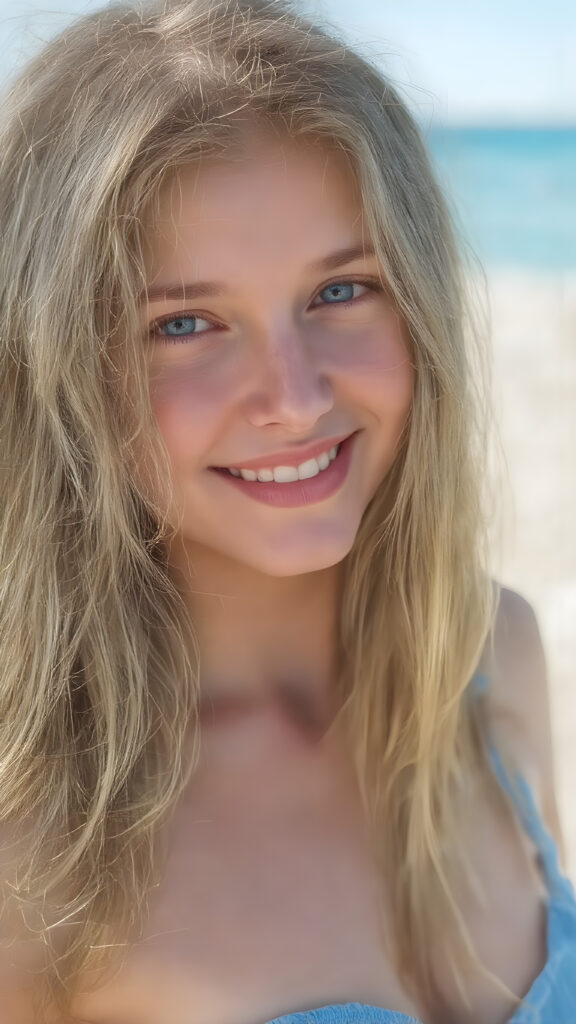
x,y
202,289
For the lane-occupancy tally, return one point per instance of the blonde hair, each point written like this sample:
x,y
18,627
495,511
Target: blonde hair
x,y
99,680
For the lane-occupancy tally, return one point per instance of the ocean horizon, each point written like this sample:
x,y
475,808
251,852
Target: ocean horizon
x,y
512,190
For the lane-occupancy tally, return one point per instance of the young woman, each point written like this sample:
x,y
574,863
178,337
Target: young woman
x,y
275,747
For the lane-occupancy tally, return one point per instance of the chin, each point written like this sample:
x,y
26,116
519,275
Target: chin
x,y
297,561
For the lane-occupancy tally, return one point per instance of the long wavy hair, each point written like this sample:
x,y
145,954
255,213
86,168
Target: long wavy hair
x,y
99,660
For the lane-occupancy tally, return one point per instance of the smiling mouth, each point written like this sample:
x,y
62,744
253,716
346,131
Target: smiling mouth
x,y
296,493
321,469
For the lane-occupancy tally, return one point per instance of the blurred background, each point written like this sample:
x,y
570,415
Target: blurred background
x,y
494,89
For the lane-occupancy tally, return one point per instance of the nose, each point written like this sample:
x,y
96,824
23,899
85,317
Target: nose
x,y
291,387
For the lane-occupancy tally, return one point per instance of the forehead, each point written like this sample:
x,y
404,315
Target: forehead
x,y
274,192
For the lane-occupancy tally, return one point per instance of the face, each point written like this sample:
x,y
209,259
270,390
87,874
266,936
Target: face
x,y
271,332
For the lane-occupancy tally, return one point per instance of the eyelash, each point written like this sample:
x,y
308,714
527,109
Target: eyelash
x,y
371,283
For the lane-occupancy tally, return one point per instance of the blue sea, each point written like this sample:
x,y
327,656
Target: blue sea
x,y
514,192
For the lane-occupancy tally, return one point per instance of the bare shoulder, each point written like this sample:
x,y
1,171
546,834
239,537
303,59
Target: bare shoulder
x,y
518,702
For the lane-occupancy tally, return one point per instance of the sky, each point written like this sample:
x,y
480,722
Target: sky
x,y
501,61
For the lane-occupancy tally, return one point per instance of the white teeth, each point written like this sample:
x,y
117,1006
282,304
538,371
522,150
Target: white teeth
x,y
284,474
288,474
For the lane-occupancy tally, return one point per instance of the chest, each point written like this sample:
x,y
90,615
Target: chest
x,y
268,906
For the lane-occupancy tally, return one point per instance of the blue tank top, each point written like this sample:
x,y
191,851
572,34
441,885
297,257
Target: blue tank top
x,y
552,997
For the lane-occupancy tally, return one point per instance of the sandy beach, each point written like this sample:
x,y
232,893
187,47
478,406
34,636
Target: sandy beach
x,y
534,340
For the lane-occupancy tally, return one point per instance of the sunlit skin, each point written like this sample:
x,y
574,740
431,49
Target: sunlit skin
x,y
275,358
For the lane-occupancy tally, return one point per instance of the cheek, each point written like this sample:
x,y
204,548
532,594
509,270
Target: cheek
x,y
381,370
186,406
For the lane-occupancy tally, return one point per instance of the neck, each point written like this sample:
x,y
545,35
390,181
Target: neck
x,y
263,639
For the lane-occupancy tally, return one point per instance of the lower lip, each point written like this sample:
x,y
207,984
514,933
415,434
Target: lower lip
x,y
298,492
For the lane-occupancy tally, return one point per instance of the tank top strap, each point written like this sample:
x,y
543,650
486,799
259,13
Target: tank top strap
x,y
519,791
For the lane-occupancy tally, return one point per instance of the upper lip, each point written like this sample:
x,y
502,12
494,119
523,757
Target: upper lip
x,y
289,457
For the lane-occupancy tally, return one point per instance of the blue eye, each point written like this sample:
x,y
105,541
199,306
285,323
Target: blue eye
x,y
342,291
181,327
